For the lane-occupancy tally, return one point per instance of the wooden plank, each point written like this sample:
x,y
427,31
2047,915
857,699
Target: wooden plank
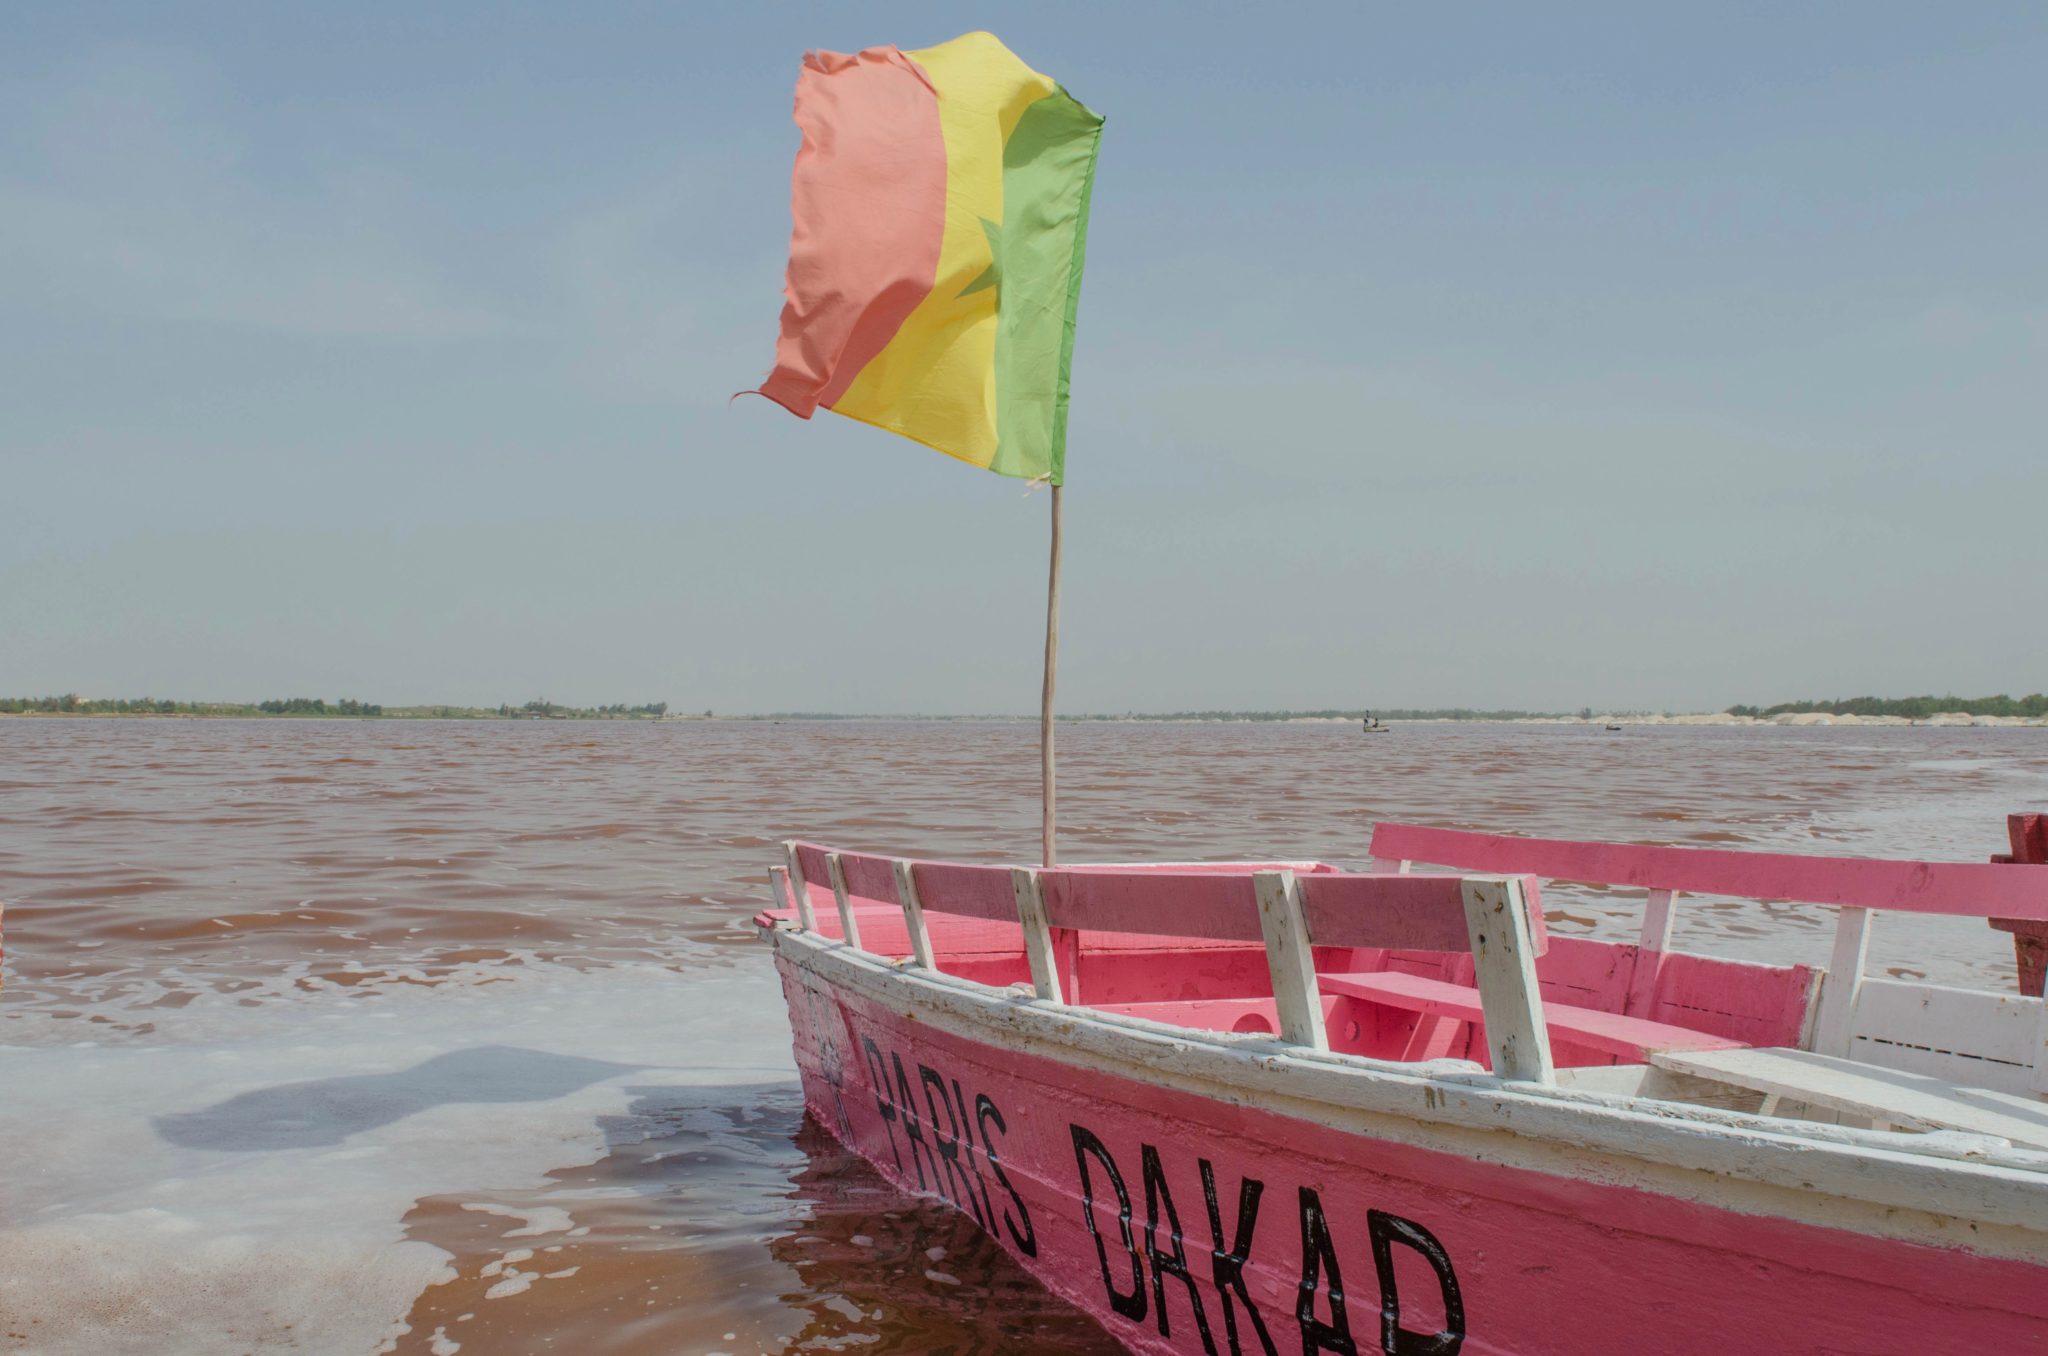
x,y
1969,889
1754,1004
1396,913
913,917
1978,1039
849,927
1299,868
1504,963
966,890
869,876
1889,1095
1164,904
1292,962
806,917
1629,1038
810,860
1201,1014
1417,912
1831,1027
1038,948
1664,1085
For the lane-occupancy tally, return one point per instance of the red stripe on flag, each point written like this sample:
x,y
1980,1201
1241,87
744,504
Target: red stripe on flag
x,y
868,202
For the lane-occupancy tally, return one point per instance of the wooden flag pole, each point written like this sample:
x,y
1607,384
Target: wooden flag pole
x,y
1052,658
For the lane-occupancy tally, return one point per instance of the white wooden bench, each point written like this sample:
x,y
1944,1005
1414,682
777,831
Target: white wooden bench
x,y
1908,1054
1887,1096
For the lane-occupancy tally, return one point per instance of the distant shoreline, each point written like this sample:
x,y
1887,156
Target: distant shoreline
x,y
430,713
318,708
1713,719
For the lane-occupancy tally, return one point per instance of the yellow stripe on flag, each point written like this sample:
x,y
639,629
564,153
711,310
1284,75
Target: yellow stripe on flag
x,y
936,380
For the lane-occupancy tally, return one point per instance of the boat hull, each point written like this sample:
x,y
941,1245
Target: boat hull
x,y
1206,1220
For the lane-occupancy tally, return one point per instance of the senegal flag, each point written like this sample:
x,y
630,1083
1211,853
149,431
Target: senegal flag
x,y
940,200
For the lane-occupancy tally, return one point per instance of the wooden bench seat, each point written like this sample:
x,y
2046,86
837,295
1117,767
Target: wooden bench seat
x,y
1891,1096
1629,1038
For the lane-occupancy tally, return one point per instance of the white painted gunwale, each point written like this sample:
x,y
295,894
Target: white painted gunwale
x,y
1942,1189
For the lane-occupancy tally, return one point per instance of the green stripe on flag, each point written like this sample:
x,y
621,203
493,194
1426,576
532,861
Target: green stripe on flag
x,y
1048,174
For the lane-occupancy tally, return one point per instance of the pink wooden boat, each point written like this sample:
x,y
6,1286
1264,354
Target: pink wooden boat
x,y
1266,1107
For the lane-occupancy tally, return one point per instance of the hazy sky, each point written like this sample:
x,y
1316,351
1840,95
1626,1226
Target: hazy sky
x,y
1532,356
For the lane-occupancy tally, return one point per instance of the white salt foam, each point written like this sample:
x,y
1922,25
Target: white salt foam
x,y
239,1180
534,1220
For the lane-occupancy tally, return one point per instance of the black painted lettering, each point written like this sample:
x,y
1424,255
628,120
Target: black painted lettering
x,y
1227,1268
949,1147
1159,1196
985,1111
1131,1306
906,1108
1319,1256
884,1103
966,1124
1396,1340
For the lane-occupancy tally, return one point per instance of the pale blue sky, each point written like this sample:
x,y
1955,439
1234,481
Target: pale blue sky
x,y
1534,357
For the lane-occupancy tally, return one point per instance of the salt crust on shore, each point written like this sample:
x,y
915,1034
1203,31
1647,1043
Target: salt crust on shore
x,y
239,1182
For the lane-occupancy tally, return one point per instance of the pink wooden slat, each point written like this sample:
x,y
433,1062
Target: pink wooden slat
x,y
1402,913
868,876
1165,904
957,936
1199,868
1610,1033
811,858
1756,1004
1202,1014
961,888
1970,889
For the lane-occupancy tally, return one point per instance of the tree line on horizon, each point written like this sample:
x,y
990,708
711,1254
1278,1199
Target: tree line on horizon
x,y
71,704
543,709
1912,708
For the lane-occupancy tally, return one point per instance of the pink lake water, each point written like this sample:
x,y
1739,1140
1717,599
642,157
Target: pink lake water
x,y
440,1036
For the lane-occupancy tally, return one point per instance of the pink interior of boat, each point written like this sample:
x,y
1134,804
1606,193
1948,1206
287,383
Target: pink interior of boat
x,y
1182,944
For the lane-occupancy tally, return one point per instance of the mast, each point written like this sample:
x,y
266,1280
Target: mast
x,y
1048,819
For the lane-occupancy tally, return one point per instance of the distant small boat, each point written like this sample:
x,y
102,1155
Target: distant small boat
x,y
1614,727
1374,725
